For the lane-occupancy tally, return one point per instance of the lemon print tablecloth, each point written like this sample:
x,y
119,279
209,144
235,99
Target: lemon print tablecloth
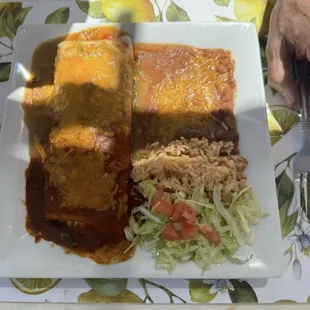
x,y
294,286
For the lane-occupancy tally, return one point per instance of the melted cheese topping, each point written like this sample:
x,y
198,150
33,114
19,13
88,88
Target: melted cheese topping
x,y
89,149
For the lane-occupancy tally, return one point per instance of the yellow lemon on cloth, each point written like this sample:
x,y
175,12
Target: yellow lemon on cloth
x,y
128,10
34,286
281,120
251,11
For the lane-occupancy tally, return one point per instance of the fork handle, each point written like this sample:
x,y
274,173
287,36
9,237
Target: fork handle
x,y
302,68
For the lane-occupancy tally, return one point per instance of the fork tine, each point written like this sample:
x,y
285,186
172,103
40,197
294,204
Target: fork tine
x,y
297,191
305,190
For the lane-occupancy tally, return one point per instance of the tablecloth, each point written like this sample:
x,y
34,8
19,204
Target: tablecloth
x,y
294,286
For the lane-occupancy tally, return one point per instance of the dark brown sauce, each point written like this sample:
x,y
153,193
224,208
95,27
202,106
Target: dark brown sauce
x,y
84,238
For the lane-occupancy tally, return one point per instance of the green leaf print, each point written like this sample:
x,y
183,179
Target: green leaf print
x,y
200,291
264,63
263,59
287,160
285,192
305,208
5,68
273,91
21,15
287,221
91,8
11,17
16,17
285,301
124,297
158,18
222,2
285,187
176,14
59,16
107,287
144,283
9,26
224,19
5,8
243,292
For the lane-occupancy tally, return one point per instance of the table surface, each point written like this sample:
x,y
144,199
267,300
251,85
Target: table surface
x,y
293,287
62,306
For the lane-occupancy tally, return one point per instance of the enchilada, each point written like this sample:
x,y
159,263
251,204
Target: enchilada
x,y
182,91
78,176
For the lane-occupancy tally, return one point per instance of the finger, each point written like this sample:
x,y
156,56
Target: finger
x,y
280,67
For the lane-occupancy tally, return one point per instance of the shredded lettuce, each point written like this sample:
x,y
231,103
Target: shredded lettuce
x,y
227,216
133,225
239,261
148,190
149,214
128,233
198,200
151,228
233,220
169,253
246,212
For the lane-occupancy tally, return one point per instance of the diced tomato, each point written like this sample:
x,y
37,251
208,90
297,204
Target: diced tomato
x,y
169,233
184,212
210,234
215,238
189,231
158,196
164,207
177,214
207,229
189,214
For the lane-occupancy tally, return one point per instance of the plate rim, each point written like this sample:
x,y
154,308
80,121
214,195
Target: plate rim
x,y
276,272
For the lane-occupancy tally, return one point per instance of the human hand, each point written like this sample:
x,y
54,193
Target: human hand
x,y
289,35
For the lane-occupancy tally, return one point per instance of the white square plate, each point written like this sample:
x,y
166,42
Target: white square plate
x,y
21,257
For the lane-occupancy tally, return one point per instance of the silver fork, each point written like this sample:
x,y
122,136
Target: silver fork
x,y
301,162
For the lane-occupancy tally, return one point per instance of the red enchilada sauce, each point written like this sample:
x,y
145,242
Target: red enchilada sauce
x,y
84,241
